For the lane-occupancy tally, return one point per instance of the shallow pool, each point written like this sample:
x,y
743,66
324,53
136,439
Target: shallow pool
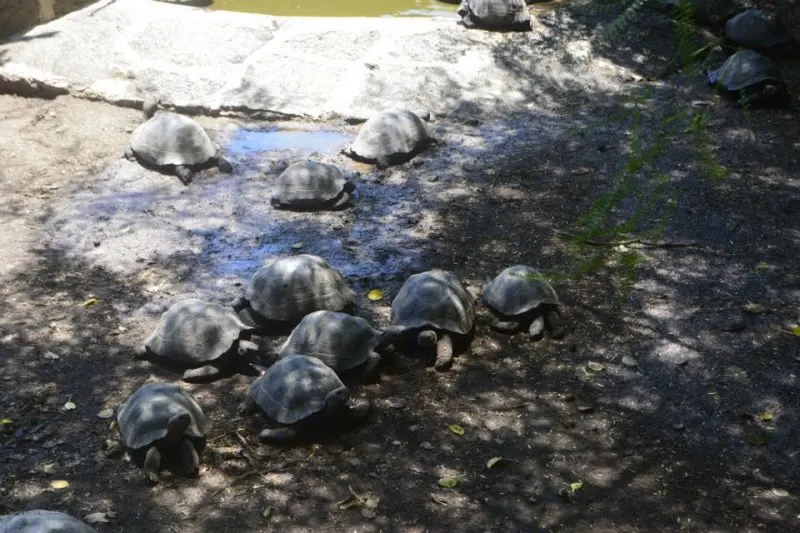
x,y
340,8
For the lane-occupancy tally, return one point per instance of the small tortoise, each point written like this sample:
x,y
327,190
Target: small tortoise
x,y
509,15
390,138
431,308
161,423
205,338
752,79
522,299
283,292
344,342
309,185
177,143
41,521
303,397
762,31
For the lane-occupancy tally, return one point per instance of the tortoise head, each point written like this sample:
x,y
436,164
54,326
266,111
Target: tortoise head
x,y
427,337
336,400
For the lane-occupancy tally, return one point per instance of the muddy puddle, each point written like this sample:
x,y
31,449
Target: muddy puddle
x,y
207,239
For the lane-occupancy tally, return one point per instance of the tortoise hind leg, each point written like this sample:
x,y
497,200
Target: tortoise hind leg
x,y
505,326
190,459
279,435
202,374
444,352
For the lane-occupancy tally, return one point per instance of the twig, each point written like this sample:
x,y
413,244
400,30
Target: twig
x,y
625,242
241,477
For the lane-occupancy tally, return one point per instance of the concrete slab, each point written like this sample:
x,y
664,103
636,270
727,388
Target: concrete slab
x,y
213,61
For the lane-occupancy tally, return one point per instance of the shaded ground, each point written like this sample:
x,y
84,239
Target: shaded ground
x,y
694,430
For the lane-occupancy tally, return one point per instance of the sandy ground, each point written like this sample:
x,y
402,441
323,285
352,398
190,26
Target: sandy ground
x,y
672,400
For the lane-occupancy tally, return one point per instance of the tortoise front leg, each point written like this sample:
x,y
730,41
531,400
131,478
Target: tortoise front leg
x,y
184,173
555,324
444,352
536,329
190,459
371,374
152,463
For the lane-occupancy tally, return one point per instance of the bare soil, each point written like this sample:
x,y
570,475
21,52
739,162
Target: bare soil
x,y
671,404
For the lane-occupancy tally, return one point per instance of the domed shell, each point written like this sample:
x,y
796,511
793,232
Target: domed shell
x,y
290,288
41,521
172,139
495,12
144,417
517,290
195,331
294,388
757,29
744,69
435,299
391,135
339,340
308,184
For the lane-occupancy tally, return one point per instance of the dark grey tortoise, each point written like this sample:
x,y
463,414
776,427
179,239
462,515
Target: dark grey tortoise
x,y
344,342
751,79
302,397
205,339
390,138
431,308
176,143
161,423
521,299
309,185
281,293
511,15
762,31
41,521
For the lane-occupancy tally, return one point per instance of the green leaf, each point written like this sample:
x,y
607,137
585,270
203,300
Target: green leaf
x,y
448,482
493,461
455,428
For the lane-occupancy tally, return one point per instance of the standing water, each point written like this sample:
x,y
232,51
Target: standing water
x,y
342,8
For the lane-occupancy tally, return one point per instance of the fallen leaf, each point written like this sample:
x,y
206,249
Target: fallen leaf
x,y
493,461
99,517
375,294
628,360
69,406
438,499
5,421
796,330
455,428
766,416
448,482
59,484
89,302
105,413
51,355
578,485
595,366
297,245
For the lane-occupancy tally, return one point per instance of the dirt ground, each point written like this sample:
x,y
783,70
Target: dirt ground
x,y
671,404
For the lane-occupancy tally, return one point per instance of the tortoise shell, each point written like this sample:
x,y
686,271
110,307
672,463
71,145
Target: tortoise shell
x,y
517,290
391,135
173,139
434,299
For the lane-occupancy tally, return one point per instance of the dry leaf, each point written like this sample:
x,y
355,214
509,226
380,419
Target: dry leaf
x,y
455,428
595,366
69,406
5,421
493,461
796,330
766,416
89,302
297,245
105,413
375,294
51,355
448,482
578,485
59,484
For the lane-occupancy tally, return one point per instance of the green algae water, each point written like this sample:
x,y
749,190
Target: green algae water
x,y
340,8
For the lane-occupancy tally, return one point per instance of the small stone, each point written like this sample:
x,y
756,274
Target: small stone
x,y
594,366
628,360
396,403
297,246
367,513
425,445
105,414
585,408
396,443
